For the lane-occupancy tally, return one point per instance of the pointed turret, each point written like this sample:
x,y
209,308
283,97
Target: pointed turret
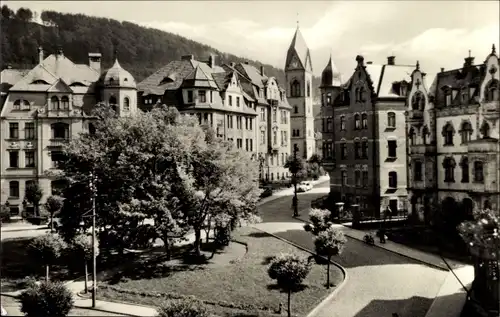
x,y
299,56
331,77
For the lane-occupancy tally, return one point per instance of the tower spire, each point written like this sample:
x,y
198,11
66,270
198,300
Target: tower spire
x,y
493,50
297,20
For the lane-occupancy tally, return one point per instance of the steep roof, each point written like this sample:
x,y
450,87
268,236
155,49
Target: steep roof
x,y
9,77
389,75
330,75
299,47
252,73
199,78
155,84
117,76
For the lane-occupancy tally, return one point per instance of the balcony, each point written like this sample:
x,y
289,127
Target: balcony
x,y
415,115
491,110
423,149
58,142
274,148
483,146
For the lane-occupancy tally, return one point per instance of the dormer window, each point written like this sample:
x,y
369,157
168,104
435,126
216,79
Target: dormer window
x,y
491,93
403,88
54,103
17,105
485,130
111,81
40,82
447,96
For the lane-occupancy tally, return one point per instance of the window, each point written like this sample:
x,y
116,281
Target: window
x,y
14,189
447,98
342,123
449,170
364,121
418,101
478,172
392,146
29,159
466,132
60,130
229,121
295,109
485,130
246,144
365,178
246,123
237,101
211,97
357,122
295,88
491,93
65,102
202,96
329,98
308,89
126,104
275,115
391,120
417,169
29,130
54,103
393,179
112,102
448,132
275,137
357,150
239,143
17,105
250,124
190,96
262,137
57,157
343,150
411,136
357,178
329,125
239,122
465,170
344,178
364,149
464,95
13,130
251,144
14,159
425,133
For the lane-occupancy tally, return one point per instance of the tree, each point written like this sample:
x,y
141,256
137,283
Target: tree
x,y
329,243
296,165
24,14
319,221
187,307
289,271
7,13
46,250
46,300
34,194
53,205
82,249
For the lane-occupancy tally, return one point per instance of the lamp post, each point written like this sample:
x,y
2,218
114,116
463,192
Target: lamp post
x,y
261,165
25,212
295,201
93,190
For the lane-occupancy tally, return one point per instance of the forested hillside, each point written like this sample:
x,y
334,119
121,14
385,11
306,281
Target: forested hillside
x,y
141,50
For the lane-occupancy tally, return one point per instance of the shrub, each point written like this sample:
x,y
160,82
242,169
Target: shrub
x,y
320,220
330,243
46,250
46,300
186,307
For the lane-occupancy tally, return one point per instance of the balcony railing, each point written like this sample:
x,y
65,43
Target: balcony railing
x,y
58,141
484,145
422,149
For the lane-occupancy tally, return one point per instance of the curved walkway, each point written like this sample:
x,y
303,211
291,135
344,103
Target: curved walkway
x,y
403,286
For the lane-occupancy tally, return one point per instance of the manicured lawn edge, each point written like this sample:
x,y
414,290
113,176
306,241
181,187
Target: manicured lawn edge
x,y
328,296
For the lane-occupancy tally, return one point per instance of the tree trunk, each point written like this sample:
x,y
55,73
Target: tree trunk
x,y
86,278
46,273
168,249
197,241
289,303
208,231
51,222
328,273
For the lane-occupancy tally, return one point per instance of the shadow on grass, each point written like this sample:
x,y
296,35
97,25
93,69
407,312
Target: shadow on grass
x,y
267,260
258,234
276,287
415,306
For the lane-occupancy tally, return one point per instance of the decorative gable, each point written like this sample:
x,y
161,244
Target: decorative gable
x,y
60,86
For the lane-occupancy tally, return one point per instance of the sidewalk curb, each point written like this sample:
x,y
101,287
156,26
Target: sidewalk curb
x,y
23,229
434,266
329,296
105,311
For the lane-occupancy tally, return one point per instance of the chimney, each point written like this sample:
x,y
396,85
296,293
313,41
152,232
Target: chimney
x,y
233,64
469,61
262,70
40,54
95,61
211,61
442,69
391,60
187,57
369,63
60,51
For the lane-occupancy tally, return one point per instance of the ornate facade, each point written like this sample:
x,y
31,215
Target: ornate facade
x,y
453,137
42,108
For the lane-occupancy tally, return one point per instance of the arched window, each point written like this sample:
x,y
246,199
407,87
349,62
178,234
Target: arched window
x,y
295,88
466,132
308,89
411,136
464,165
126,104
357,122
425,134
393,179
485,130
26,104
448,132
14,189
60,130
113,103
65,102
449,169
362,94
364,121
491,93
418,101
17,104
54,103
329,98
391,120
478,172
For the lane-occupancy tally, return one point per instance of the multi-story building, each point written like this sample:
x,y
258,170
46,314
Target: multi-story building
x,y
238,101
42,108
366,157
453,137
298,73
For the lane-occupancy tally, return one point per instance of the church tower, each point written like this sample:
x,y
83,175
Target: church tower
x,y
298,73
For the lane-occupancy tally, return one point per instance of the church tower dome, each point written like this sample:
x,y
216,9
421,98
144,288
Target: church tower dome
x,y
331,77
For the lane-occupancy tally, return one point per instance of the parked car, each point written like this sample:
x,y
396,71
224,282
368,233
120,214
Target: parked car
x,y
304,187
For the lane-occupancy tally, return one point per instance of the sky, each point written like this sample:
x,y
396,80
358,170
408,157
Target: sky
x,y
436,33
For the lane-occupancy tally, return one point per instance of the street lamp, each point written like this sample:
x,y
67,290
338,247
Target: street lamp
x,y
25,212
261,166
295,201
93,189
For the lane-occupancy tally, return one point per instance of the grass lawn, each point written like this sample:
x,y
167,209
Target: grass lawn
x,y
244,283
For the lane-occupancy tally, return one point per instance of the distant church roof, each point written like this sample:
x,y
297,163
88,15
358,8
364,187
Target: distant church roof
x,y
299,48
